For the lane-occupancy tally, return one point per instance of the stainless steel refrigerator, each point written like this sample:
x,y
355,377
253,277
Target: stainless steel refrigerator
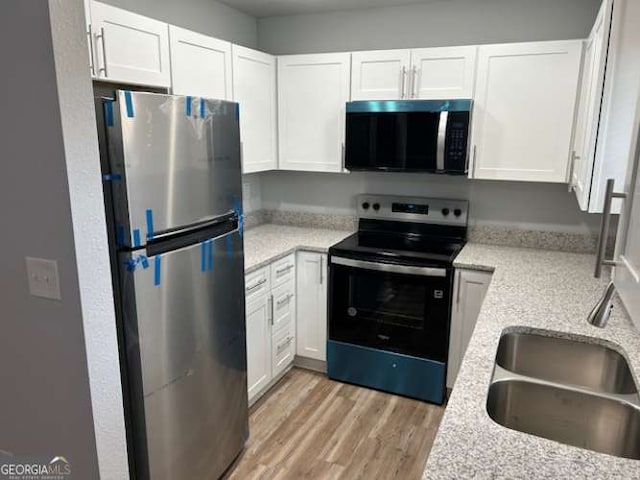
x,y
174,178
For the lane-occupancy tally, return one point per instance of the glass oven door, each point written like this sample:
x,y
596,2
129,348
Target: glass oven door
x,y
399,308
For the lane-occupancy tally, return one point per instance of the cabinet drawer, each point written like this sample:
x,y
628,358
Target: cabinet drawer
x,y
283,270
282,350
284,304
257,283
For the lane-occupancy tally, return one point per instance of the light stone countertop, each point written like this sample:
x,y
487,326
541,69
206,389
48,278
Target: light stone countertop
x,y
534,289
265,243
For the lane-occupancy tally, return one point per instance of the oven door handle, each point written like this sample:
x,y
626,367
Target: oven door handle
x,y
390,267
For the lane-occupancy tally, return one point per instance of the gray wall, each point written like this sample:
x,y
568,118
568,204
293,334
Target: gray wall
x,y
513,204
45,404
439,23
205,16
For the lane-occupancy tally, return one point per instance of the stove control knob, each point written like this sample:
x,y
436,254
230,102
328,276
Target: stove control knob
x,y
445,211
365,205
457,212
376,206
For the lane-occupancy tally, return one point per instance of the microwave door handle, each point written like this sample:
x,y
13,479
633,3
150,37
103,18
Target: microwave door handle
x,y
442,137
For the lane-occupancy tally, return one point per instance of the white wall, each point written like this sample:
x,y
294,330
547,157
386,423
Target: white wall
x,y
205,16
514,204
45,400
437,23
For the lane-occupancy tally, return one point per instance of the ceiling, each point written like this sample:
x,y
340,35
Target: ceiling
x,y
269,8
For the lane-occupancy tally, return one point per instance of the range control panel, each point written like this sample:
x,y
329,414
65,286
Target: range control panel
x,y
413,209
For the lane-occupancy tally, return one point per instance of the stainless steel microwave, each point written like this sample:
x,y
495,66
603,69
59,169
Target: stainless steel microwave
x,y
408,136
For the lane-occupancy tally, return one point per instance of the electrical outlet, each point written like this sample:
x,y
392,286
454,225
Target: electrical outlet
x,y
43,278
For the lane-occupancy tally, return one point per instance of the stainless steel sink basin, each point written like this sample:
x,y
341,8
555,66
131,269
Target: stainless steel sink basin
x,y
566,361
572,417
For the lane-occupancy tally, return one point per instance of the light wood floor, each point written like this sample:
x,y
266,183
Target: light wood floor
x,y
311,427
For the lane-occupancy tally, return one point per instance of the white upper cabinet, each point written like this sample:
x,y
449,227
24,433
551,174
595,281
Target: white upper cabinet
x,y
443,73
425,73
254,88
380,74
129,48
312,93
524,109
589,104
200,65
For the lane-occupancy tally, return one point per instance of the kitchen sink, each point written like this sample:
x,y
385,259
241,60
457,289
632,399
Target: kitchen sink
x,y
574,392
561,360
572,417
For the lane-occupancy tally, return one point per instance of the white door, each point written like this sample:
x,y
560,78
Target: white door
x,y
590,100
627,271
312,94
443,73
129,48
254,88
312,305
200,65
470,289
258,345
380,75
524,108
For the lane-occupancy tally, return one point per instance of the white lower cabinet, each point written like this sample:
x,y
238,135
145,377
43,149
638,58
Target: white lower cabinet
x,y
271,324
470,288
312,306
258,345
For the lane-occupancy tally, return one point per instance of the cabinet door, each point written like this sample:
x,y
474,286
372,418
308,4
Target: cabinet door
x,y
258,345
443,73
312,94
254,88
470,289
130,48
590,101
311,341
627,271
380,75
524,110
200,65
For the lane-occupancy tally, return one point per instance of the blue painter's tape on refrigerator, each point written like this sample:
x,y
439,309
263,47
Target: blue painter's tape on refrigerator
x,y
108,113
149,214
129,103
157,270
188,104
210,256
136,238
229,247
203,257
120,235
203,108
111,177
132,263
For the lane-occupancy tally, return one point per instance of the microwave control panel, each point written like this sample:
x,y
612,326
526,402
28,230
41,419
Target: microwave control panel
x,y
456,144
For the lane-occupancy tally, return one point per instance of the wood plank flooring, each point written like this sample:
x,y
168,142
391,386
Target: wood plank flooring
x,y
311,427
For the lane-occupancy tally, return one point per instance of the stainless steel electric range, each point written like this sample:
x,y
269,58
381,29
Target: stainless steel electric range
x,y
390,287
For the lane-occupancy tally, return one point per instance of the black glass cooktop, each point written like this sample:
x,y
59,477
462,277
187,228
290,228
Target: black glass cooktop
x,y
400,247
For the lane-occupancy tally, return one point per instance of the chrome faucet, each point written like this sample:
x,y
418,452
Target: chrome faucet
x,y
600,314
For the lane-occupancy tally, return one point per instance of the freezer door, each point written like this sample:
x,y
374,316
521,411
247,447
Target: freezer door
x,y
174,161
186,354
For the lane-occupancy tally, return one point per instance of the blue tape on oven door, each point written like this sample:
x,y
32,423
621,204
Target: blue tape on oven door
x,y
108,113
128,103
157,270
149,215
188,105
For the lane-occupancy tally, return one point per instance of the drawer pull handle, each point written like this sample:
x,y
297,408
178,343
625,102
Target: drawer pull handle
x,y
253,287
285,300
284,344
284,270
